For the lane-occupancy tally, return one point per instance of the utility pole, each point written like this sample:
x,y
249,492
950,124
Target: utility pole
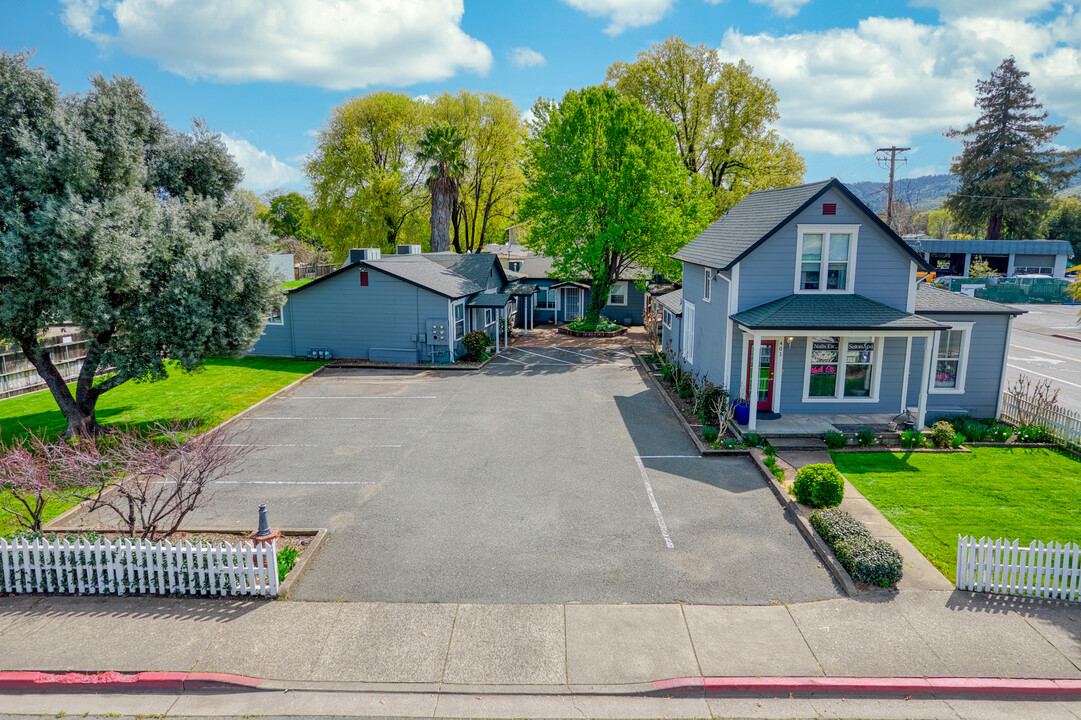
x,y
881,157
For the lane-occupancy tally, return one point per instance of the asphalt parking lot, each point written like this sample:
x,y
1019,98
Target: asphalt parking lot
x,y
555,474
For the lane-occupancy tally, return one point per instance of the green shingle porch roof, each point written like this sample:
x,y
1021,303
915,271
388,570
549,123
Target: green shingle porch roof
x,y
489,300
831,312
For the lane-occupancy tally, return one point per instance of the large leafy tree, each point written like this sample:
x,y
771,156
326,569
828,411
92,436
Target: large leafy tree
x,y
441,150
723,117
1063,222
493,147
367,186
1008,167
111,220
606,190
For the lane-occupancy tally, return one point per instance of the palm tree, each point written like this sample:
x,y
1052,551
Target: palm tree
x,y
442,147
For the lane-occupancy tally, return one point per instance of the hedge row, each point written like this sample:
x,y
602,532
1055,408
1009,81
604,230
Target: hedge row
x,y
866,559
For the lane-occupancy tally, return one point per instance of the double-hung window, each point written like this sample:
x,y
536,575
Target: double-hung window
x,y
618,294
707,287
951,358
459,319
826,259
842,368
546,299
667,318
276,317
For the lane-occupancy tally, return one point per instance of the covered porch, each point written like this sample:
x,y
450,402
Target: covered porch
x,y
849,363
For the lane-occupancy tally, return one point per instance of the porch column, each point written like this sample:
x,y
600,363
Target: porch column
x,y
907,372
968,263
497,333
506,328
752,391
925,375
743,365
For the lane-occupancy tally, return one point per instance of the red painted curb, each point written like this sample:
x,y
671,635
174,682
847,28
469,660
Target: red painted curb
x,y
874,686
44,682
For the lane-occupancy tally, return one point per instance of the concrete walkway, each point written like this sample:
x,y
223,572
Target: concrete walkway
x,y
544,647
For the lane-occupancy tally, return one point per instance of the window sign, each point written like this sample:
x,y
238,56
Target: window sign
x,y
851,359
859,353
825,353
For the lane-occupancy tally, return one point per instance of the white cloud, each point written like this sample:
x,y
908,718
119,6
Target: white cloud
x,y
335,44
623,14
846,91
262,171
783,8
523,57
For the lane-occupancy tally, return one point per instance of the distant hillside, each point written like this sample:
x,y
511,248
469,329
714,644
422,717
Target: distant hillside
x,y
926,193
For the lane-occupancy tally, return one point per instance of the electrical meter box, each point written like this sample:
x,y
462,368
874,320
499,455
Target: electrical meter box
x,y
437,332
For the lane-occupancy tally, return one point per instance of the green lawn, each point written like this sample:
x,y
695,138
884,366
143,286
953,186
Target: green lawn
x,y
1024,493
211,395
291,284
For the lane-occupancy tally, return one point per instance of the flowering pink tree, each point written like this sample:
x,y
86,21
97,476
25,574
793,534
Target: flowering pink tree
x,y
32,472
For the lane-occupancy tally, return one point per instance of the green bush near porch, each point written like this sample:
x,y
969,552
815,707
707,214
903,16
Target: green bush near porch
x,y
1024,493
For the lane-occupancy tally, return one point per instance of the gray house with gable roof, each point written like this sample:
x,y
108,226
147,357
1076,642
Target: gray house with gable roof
x,y
802,301
398,308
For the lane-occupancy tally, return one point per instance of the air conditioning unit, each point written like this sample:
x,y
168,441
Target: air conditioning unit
x,y
409,249
360,254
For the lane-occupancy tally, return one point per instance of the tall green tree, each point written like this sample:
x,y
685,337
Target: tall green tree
x,y
493,147
606,190
441,150
112,220
1063,222
1008,167
723,117
368,188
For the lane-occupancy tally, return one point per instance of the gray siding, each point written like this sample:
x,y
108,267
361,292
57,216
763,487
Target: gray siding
x,y
634,309
670,338
350,320
882,267
277,339
710,322
984,380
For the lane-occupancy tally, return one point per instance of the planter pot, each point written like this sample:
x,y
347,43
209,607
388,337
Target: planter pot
x,y
743,413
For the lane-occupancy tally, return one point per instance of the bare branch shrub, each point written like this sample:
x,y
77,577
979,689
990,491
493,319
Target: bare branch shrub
x,y
32,472
1033,399
152,479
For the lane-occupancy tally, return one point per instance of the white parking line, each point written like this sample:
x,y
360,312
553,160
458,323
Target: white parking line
x,y
505,357
653,502
591,357
656,457
268,445
546,357
1049,377
335,418
293,482
359,397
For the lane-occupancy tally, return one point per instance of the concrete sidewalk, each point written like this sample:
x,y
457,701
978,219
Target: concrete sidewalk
x,y
544,648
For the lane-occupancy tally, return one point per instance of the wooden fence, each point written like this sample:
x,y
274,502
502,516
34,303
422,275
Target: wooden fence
x,y
130,567
312,271
18,375
1064,424
1009,568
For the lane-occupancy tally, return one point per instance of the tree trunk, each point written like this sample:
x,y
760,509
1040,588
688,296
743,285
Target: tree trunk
x,y
994,226
443,201
80,416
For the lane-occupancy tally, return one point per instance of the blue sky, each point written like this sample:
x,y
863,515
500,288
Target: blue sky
x,y
851,76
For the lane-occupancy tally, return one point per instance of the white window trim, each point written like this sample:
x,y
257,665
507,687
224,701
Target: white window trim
x,y
619,283
707,286
842,361
850,279
549,302
965,329
688,331
666,318
454,320
488,319
281,316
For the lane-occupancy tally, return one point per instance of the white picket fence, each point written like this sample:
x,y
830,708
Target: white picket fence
x,y
1009,568
129,567
1064,424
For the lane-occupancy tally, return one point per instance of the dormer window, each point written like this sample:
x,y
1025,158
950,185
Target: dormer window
x,y
826,258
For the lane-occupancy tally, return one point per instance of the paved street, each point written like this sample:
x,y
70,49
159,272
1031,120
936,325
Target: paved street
x,y
554,475
1036,351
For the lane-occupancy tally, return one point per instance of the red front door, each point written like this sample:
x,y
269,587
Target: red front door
x,y
761,382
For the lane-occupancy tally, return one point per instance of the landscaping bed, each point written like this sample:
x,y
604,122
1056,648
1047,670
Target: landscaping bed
x,y
696,404
565,330
1011,492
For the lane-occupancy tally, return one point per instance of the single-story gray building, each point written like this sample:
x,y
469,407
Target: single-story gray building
x,y
1006,257
562,300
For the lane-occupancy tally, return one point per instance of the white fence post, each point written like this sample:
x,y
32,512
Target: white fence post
x,y
1049,570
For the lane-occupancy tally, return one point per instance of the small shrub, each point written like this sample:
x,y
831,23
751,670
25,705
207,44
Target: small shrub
x,y
973,430
287,558
1000,433
911,439
666,372
834,439
753,439
819,485
866,559
769,450
942,434
476,345
866,437
730,444
684,389
1033,434
958,440
710,433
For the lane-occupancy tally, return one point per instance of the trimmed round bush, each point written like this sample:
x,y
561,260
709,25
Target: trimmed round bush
x,y
819,485
942,434
475,344
835,525
871,561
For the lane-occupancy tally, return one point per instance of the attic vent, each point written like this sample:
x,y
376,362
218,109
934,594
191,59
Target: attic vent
x,y
829,208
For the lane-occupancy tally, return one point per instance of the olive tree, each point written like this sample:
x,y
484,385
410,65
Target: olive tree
x,y
113,221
